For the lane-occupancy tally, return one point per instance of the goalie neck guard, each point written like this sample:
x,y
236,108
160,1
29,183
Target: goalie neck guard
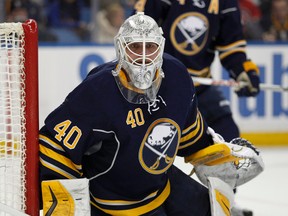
x,y
139,48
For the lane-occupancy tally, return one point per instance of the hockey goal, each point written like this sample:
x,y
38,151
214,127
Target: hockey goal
x,y
19,119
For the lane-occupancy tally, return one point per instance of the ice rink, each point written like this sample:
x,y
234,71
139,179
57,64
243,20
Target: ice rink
x,y
267,194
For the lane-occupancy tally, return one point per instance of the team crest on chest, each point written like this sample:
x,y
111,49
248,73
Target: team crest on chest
x,y
159,146
189,33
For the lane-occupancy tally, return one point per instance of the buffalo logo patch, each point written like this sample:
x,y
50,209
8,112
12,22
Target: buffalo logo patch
x,y
189,33
159,146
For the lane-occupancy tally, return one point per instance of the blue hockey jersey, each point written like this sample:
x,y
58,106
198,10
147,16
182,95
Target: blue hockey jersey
x,y
124,149
196,30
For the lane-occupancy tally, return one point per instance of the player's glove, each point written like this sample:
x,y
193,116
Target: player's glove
x,y
235,163
249,80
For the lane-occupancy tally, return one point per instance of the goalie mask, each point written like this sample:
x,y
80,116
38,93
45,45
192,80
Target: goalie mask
x,y
139,49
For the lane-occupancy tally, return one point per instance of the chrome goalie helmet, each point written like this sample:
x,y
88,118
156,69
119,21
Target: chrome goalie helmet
x,y
139,48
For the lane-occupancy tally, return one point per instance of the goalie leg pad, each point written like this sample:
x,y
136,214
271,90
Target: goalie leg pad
x,y
221,197
67,197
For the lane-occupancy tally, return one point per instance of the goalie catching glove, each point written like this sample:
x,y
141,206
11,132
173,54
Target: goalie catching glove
x,y
235,163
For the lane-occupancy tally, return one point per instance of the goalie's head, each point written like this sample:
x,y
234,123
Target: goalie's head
x,y
139,48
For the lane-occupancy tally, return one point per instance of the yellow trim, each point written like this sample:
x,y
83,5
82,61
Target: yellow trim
x,y
139,6
186,130
249,65
213,7
205,72
60,158
230,46
142,209
223,202
267,138
65,202
123,202
212,155
124,80
195,138
227,53
51,142
192,133
56,169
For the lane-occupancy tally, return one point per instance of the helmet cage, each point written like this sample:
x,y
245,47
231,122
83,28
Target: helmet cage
x,y
142,65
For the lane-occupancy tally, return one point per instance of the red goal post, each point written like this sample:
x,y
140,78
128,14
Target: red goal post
x,y
19,124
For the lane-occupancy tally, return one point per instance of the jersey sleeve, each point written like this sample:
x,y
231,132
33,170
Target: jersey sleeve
x,y
194,136
66,136
230,42
55,162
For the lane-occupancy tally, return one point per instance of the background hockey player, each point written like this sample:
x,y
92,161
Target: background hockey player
x,y
116,135
195,30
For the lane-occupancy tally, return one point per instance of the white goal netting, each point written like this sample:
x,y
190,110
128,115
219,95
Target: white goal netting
x,y
12,118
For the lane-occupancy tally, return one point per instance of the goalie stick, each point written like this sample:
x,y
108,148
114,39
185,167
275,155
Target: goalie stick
x,y
232,83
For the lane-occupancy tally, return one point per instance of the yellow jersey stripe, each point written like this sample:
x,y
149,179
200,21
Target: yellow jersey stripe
x,y
194,132
195,138
60,158
191,126
142,209
56,169
123,202
51,143
231,46
225,54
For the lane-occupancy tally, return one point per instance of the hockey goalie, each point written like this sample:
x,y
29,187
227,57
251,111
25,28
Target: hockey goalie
x,y
109,148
